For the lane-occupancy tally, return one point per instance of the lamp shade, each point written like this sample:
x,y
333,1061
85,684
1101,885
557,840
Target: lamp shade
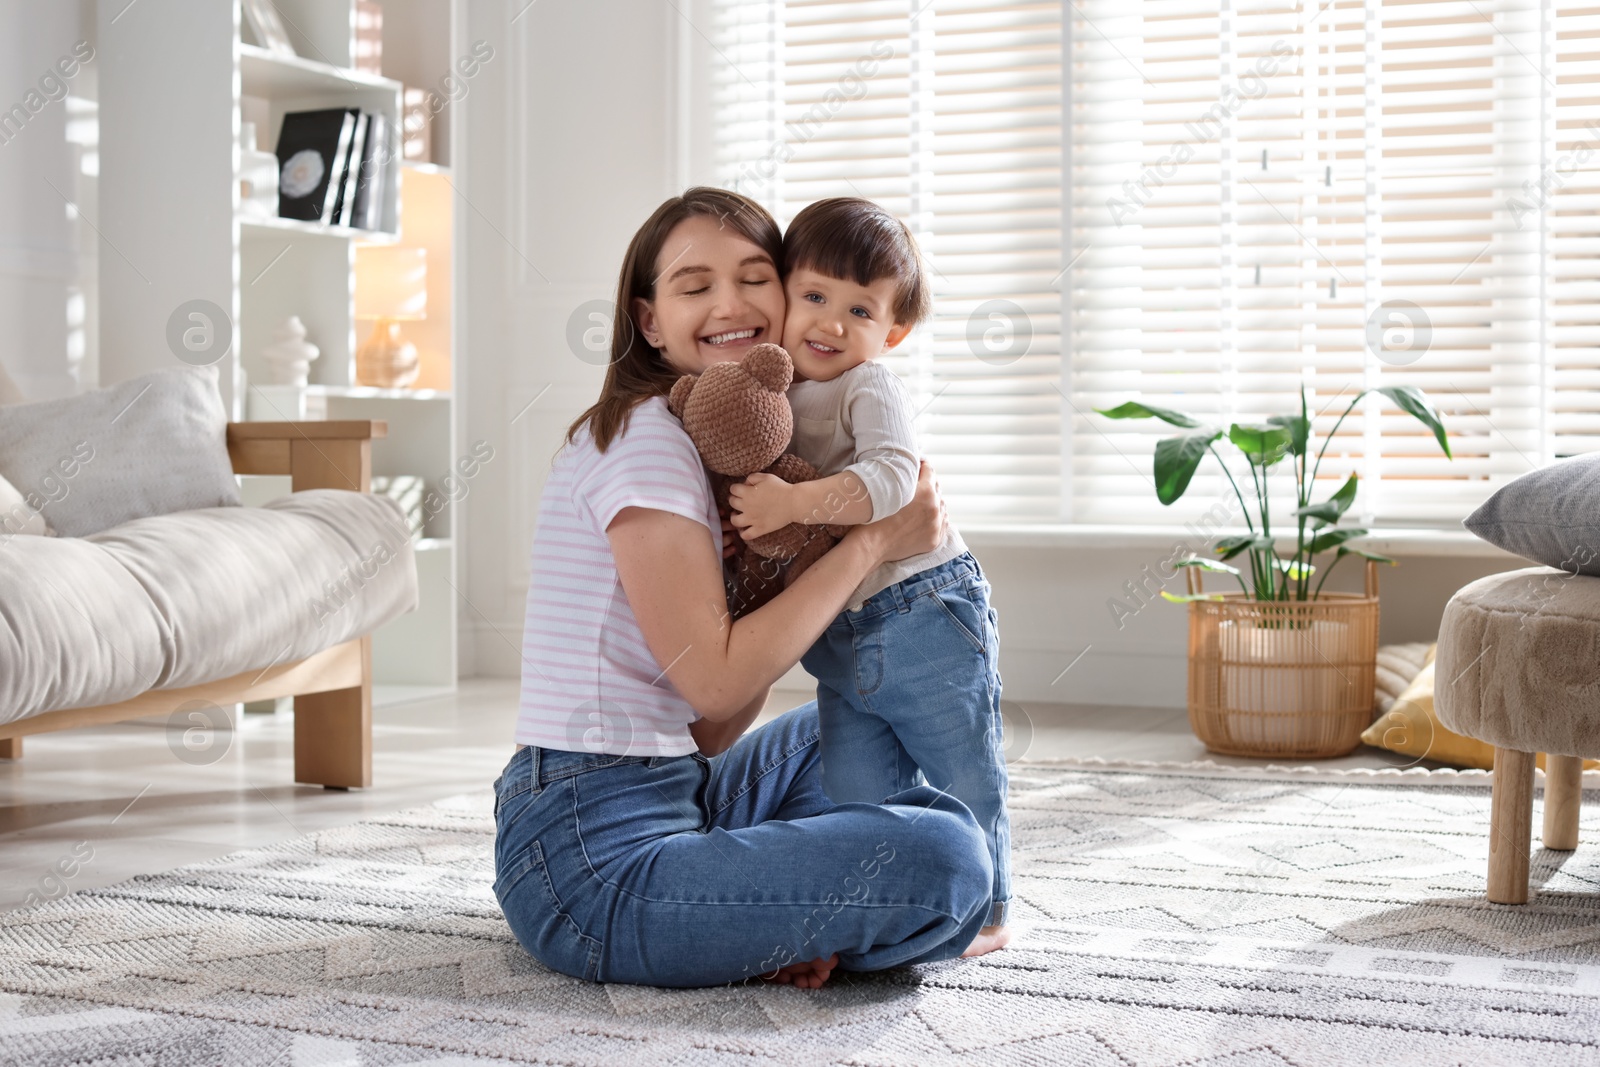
x,y
391,283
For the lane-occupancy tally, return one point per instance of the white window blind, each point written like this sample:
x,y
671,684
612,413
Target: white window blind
x,y
949,115
1228,201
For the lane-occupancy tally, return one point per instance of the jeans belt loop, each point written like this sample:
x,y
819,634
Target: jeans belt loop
x,y
533,770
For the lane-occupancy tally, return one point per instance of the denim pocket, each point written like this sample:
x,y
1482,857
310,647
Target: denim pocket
x,y
962,609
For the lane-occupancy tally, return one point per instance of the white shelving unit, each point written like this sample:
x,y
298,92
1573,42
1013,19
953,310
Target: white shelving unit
x,y
175,90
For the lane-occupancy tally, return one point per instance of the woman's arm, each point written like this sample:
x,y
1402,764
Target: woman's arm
x,y
673,582
713,737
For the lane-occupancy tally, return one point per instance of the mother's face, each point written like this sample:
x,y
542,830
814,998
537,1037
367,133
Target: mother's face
x,y
717,293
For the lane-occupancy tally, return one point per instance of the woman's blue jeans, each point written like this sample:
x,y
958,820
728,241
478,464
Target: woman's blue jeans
x,y
684,871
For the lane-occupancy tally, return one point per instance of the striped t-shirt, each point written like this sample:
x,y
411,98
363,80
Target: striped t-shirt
x,y
589,681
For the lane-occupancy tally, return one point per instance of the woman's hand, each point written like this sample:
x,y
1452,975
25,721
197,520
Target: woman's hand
x,y
918,527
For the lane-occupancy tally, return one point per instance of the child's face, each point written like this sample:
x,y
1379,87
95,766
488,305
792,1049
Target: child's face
x,y
717,294
835,324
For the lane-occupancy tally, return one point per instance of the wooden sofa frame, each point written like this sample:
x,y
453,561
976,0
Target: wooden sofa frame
x,y
332,689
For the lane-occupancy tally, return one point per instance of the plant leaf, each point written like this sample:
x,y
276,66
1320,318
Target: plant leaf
x,y
1330,510
1184,598
1261,445
1332,538
1299,428
1206,565
1135,410
1228,547
1176,460
1350,550
1294,569
1414,403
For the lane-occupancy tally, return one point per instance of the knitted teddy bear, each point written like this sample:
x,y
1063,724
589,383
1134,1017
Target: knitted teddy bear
x,y
739,419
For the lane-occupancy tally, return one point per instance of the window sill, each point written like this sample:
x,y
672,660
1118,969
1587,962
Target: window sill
x,y
1389,542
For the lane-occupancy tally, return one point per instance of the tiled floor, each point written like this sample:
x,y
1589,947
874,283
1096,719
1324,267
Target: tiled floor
x,y
123,797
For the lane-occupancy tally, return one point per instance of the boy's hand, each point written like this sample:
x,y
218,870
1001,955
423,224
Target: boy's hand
x,y
761,504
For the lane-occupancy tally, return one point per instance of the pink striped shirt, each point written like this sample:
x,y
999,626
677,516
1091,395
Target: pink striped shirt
x,y
589,682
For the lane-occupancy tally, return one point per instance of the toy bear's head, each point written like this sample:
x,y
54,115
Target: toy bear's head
x,y
736,413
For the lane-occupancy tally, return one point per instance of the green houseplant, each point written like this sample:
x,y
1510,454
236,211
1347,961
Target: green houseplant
x,y
1265,445
1280,668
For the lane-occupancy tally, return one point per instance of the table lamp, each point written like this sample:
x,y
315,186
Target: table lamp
x,y
391,287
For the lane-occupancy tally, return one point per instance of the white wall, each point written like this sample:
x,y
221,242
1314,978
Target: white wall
x,y
568,146
46,285
572,144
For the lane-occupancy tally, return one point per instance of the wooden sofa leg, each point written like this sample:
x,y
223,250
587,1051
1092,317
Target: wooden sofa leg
x,y
1563,795
1510,826
333,733
10,748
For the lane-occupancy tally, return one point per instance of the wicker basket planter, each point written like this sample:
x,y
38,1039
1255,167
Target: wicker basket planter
x,y
1283,678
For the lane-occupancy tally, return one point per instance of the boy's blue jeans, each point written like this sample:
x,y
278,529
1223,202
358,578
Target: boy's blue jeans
x,y
911,680
688,871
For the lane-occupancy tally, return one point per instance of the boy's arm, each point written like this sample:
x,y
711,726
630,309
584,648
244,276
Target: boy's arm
x,y
879,483
879,411
764,503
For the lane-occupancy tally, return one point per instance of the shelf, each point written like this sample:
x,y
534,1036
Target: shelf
x,y
422,167
370,392
277,227
267,74
431,544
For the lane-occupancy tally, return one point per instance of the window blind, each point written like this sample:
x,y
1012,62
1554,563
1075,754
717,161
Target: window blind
x,y
949,115
1224,201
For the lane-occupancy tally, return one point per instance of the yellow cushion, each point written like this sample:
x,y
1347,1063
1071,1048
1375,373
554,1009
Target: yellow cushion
x,y
1411,728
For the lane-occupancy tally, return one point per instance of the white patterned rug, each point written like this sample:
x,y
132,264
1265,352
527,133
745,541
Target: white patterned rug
x,y
1165,918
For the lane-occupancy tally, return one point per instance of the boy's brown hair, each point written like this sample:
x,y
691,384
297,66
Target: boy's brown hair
x,y
852,238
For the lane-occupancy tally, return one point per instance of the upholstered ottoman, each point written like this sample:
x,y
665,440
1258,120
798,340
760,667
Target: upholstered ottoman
x,y
1518,666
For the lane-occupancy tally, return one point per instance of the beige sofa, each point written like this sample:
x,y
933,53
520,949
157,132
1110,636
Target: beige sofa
x,y
220,605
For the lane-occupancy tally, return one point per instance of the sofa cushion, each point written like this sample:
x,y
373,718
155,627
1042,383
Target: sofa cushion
x,y
153,445
1550,516
1518,663
18,515
177,600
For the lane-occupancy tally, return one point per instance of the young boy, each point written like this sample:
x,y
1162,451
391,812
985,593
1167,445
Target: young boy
x,y
907,677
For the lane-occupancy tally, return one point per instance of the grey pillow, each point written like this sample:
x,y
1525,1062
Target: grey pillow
x,y
1550,516
154,444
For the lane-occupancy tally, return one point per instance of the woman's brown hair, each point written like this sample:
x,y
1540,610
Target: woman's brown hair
x,y
637,370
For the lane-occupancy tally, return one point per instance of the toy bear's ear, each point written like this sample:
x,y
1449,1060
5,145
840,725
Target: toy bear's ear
x,y
678,399
769,365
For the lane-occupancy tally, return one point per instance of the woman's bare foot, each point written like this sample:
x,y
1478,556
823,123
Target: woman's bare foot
x,y
988,939
809,974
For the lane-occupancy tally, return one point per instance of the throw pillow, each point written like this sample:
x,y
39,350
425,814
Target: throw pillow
x,y
154,444
17,516
1550,516
1411,728
1397,666
9,393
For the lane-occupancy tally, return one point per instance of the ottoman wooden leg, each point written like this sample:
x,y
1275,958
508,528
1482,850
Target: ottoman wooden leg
x,y
10,748
1563,794
1510,826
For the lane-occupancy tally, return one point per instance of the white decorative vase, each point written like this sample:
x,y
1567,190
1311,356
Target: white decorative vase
x,y
289,357
258,177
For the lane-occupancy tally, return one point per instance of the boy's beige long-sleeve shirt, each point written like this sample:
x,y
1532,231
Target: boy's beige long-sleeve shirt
x,y
861,422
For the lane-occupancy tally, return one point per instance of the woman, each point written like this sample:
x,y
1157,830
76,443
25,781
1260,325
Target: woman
x,y
641,838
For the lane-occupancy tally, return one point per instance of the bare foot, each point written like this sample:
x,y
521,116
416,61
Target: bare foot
x,y
988,939
809,974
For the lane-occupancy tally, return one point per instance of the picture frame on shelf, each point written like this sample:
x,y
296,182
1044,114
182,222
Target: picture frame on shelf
x,y
268,26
